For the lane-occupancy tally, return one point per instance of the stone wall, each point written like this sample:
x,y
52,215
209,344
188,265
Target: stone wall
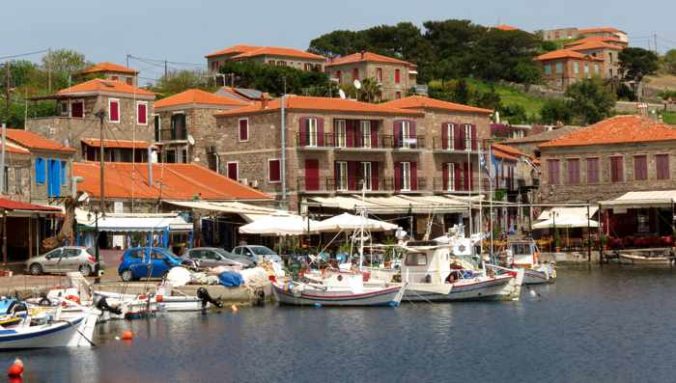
x,y
368,70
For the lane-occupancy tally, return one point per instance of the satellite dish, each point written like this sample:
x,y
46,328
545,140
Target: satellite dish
x,y
357,84
191,139
84,198
341,93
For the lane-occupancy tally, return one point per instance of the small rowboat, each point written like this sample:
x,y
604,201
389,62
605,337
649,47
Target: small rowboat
x,y
305,294
634,258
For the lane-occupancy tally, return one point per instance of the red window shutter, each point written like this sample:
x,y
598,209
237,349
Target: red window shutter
x,y
320,132
414,176
474,137
114,112
232,170
302,130
77,109
374,134
243,130
355,74
662,164
397,76
312,174
444,136
274,171
459,139
640,168
465,170
471,176
458,177
350,130
374,176
142,110
352,175
444,175
397,176
396,132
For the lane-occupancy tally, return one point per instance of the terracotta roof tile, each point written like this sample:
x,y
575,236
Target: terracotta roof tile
x,y
34,141
8,204
97,86
197,97
603,39
109,67
367,57
235,49
599,30
422,102
566,54
506,28
116,144
594,45
170,181
323,104
245,51
616,130
15,149
506,152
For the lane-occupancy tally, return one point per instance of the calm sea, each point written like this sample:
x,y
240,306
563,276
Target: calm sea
x,y
594,325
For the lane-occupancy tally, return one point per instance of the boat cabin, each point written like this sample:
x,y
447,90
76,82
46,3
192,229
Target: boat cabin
x,y
521,253
434,264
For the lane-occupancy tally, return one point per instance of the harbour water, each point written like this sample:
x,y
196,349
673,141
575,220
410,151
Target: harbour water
x,y
594,325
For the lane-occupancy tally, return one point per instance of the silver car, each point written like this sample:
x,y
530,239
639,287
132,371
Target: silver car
x,y
64,259
212,257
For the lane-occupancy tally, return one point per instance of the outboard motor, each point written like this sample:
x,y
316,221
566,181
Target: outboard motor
x,y
102,304
204,296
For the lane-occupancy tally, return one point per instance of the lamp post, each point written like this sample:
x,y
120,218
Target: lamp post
x,y
556,237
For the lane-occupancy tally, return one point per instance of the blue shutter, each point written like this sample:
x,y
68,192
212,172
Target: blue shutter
x,y
54,178
39,170
64,173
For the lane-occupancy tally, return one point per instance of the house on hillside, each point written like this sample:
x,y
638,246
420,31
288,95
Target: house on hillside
x,y
109,71
564,67
280,56
125,109
394,76
578,33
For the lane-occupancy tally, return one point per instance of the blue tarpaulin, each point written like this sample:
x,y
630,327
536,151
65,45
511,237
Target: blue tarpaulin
x,y
230,279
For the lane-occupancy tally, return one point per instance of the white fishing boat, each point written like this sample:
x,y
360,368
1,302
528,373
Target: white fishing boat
x,y
647,257
525,254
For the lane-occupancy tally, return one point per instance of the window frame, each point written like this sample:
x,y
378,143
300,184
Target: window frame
x,y
368,181
468,137
365,133
450,136
340,133
227,170
569,178
279,176
406,183
138,115
621,176
119,110
644,171
397,76
450,176
667,175
550,171
597,176
312,132
342,180
70,107
239,129
406,134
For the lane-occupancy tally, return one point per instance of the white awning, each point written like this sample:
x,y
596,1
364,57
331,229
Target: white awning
x,y
119,222
280,223
224,207
568,222
643,199
569,213
400,204
347,221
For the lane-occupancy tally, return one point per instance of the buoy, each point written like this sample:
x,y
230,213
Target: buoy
x,y
159,298
127,335
234,308
16,369
533,293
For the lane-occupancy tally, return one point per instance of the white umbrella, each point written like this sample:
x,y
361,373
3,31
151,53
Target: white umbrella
x,y
347,221
280,223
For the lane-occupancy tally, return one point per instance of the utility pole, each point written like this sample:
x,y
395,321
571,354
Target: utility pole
x,y
283,139
165,69
8,75
49,70
128,60
655,41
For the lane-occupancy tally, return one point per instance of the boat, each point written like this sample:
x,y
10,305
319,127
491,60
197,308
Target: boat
x,y
338,289
524,253
648,257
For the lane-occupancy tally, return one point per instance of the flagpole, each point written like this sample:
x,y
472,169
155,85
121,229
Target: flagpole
x,y
481,212
469,180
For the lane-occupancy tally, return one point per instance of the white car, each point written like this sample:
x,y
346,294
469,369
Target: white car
x,y
257,253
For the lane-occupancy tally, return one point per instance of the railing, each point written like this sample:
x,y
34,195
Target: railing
x,y
173,134
358,141
455,145
441,186
405,142
330,185
421,185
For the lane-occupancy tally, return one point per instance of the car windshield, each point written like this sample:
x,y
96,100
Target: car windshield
x,y
262,250
224,253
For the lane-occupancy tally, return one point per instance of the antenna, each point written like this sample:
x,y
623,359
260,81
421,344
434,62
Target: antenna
x,y
341,93
357,84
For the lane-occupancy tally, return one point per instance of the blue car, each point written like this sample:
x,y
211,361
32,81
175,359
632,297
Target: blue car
x,y
146,262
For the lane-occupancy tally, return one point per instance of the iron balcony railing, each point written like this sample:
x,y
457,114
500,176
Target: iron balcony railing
x,y
455,145
371,141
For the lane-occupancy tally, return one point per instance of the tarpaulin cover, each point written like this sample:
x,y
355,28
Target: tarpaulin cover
x,y
231,279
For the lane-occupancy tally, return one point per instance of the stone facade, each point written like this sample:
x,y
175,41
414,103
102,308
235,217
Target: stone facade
x,y
561,73
38,191
314,65
383,73
605,189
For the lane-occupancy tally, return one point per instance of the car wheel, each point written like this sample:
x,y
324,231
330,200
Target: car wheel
x,y
127,276
86,270
35,269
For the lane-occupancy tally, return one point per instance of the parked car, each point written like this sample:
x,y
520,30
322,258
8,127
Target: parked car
x,y
257,253
64,259
214,256
146,262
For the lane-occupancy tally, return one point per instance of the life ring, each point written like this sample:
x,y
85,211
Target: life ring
x,y
72,298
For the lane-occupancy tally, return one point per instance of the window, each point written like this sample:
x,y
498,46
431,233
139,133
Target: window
x,y
113,110
576,67
64,173
341,175
233,170
397,95
130,81
592,170
616,169
274,170
559,68
406,138
366,175
311,132
178,131
468,137
597,70
548,69
397,76
450,136
39,171
416,259
341,133
243,129
142,113
586,69
365,133
114,78
405,176
553,172
640,168
339,76
662,164
573,171
355,74
158,127
449,176
77,109
379,74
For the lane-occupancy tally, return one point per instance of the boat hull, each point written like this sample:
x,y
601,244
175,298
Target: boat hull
x,y
389,296
630,259
499,288
76,332
538,277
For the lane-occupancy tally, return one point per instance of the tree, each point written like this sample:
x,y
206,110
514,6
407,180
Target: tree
x,y
62,63
461,92
590,100
556,110
669,61
276,79
177,82
635,63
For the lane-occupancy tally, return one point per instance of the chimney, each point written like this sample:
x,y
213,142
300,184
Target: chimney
x,y
363,53
264,101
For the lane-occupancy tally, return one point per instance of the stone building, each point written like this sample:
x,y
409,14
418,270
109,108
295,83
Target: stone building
x,y
110,71
185,127
564,67
126,111
116,150
280,56
577,33
395,77
607,159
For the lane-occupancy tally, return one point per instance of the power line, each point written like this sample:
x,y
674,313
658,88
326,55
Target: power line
x,y
23,54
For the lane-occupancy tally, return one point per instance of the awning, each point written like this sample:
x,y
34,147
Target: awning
x,y
247,211
21,209
400,204
347,221
566,217
118,222
643,199
280,223
567,222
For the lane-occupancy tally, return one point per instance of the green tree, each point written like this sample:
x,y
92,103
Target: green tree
x,y
176,82
590,100
556,110
635,63
669,61
63,63
276,79
461,92
515,114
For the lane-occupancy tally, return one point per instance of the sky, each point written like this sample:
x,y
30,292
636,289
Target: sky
x,y
182,32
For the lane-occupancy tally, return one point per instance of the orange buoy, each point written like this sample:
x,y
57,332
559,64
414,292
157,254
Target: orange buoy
x,y
127,335
159,298
16,369
234,308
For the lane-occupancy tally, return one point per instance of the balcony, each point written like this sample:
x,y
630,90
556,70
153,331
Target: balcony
x,y
405,142
329,185
171,135
440,145
358,142
458,187
420,185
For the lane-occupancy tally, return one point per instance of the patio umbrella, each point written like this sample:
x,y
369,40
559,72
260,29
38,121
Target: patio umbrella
x,y
347,221
280,223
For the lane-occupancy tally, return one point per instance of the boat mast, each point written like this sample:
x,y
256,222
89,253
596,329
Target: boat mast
x,y
362,223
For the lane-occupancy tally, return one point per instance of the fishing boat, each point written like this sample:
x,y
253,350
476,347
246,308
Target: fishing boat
x,y
648,257
525,254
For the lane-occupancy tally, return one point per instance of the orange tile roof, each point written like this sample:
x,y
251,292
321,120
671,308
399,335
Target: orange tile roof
x,y
603,39
34,141
616,130
8,204
170,181
367,57
13,148
279,51
506,152
235,49
594,45
505,27
98,85
322,104
566,54
599,30
422,102
116,144
197,97
109,67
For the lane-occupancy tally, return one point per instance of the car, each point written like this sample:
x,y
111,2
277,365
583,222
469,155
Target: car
x,y
214,256
146,262
257,253
64,259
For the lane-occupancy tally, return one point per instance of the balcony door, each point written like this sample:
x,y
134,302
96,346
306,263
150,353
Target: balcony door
x,y
365,133
340,133
449,177
405,176
341,176
406,136
311,175
366,176
450,136
312,132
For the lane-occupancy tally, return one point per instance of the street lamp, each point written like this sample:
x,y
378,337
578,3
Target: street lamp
x,y
553,214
